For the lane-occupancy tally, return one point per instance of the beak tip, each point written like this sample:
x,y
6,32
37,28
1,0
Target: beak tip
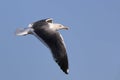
x,y
67,28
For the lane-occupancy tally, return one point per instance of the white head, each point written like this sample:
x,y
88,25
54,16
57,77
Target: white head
x,y
55,26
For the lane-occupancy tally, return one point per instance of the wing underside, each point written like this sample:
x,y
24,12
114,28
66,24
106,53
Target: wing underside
x,y
56,44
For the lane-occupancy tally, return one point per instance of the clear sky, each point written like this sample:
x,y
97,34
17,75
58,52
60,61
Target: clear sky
x,y
93,40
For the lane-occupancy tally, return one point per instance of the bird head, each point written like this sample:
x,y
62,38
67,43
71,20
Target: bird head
x,y
57,27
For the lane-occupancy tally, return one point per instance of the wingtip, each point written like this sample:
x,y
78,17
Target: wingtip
x,y
67,71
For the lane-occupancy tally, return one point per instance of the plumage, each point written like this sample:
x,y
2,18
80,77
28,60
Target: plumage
x,y
47,31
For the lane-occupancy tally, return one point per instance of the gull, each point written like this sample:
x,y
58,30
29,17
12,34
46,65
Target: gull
x,y
47,32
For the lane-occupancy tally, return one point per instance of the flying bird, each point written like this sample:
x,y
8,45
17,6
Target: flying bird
x,y
47,32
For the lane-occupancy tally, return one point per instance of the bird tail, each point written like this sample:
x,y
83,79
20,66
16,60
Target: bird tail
x,y
23,31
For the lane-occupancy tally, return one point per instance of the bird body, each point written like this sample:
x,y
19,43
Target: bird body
x,y
47,31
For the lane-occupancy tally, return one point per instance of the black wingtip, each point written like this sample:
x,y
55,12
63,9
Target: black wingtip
x,y
63,63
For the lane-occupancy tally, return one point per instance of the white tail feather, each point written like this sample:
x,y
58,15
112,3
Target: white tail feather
x,y
23,31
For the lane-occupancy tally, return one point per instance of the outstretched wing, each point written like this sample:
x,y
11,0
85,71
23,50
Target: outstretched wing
x,y
56,44
59,52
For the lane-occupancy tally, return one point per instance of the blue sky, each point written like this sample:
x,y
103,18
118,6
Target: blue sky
x,y
93,40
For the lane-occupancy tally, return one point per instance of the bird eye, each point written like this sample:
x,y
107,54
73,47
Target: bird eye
x,y
60,25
